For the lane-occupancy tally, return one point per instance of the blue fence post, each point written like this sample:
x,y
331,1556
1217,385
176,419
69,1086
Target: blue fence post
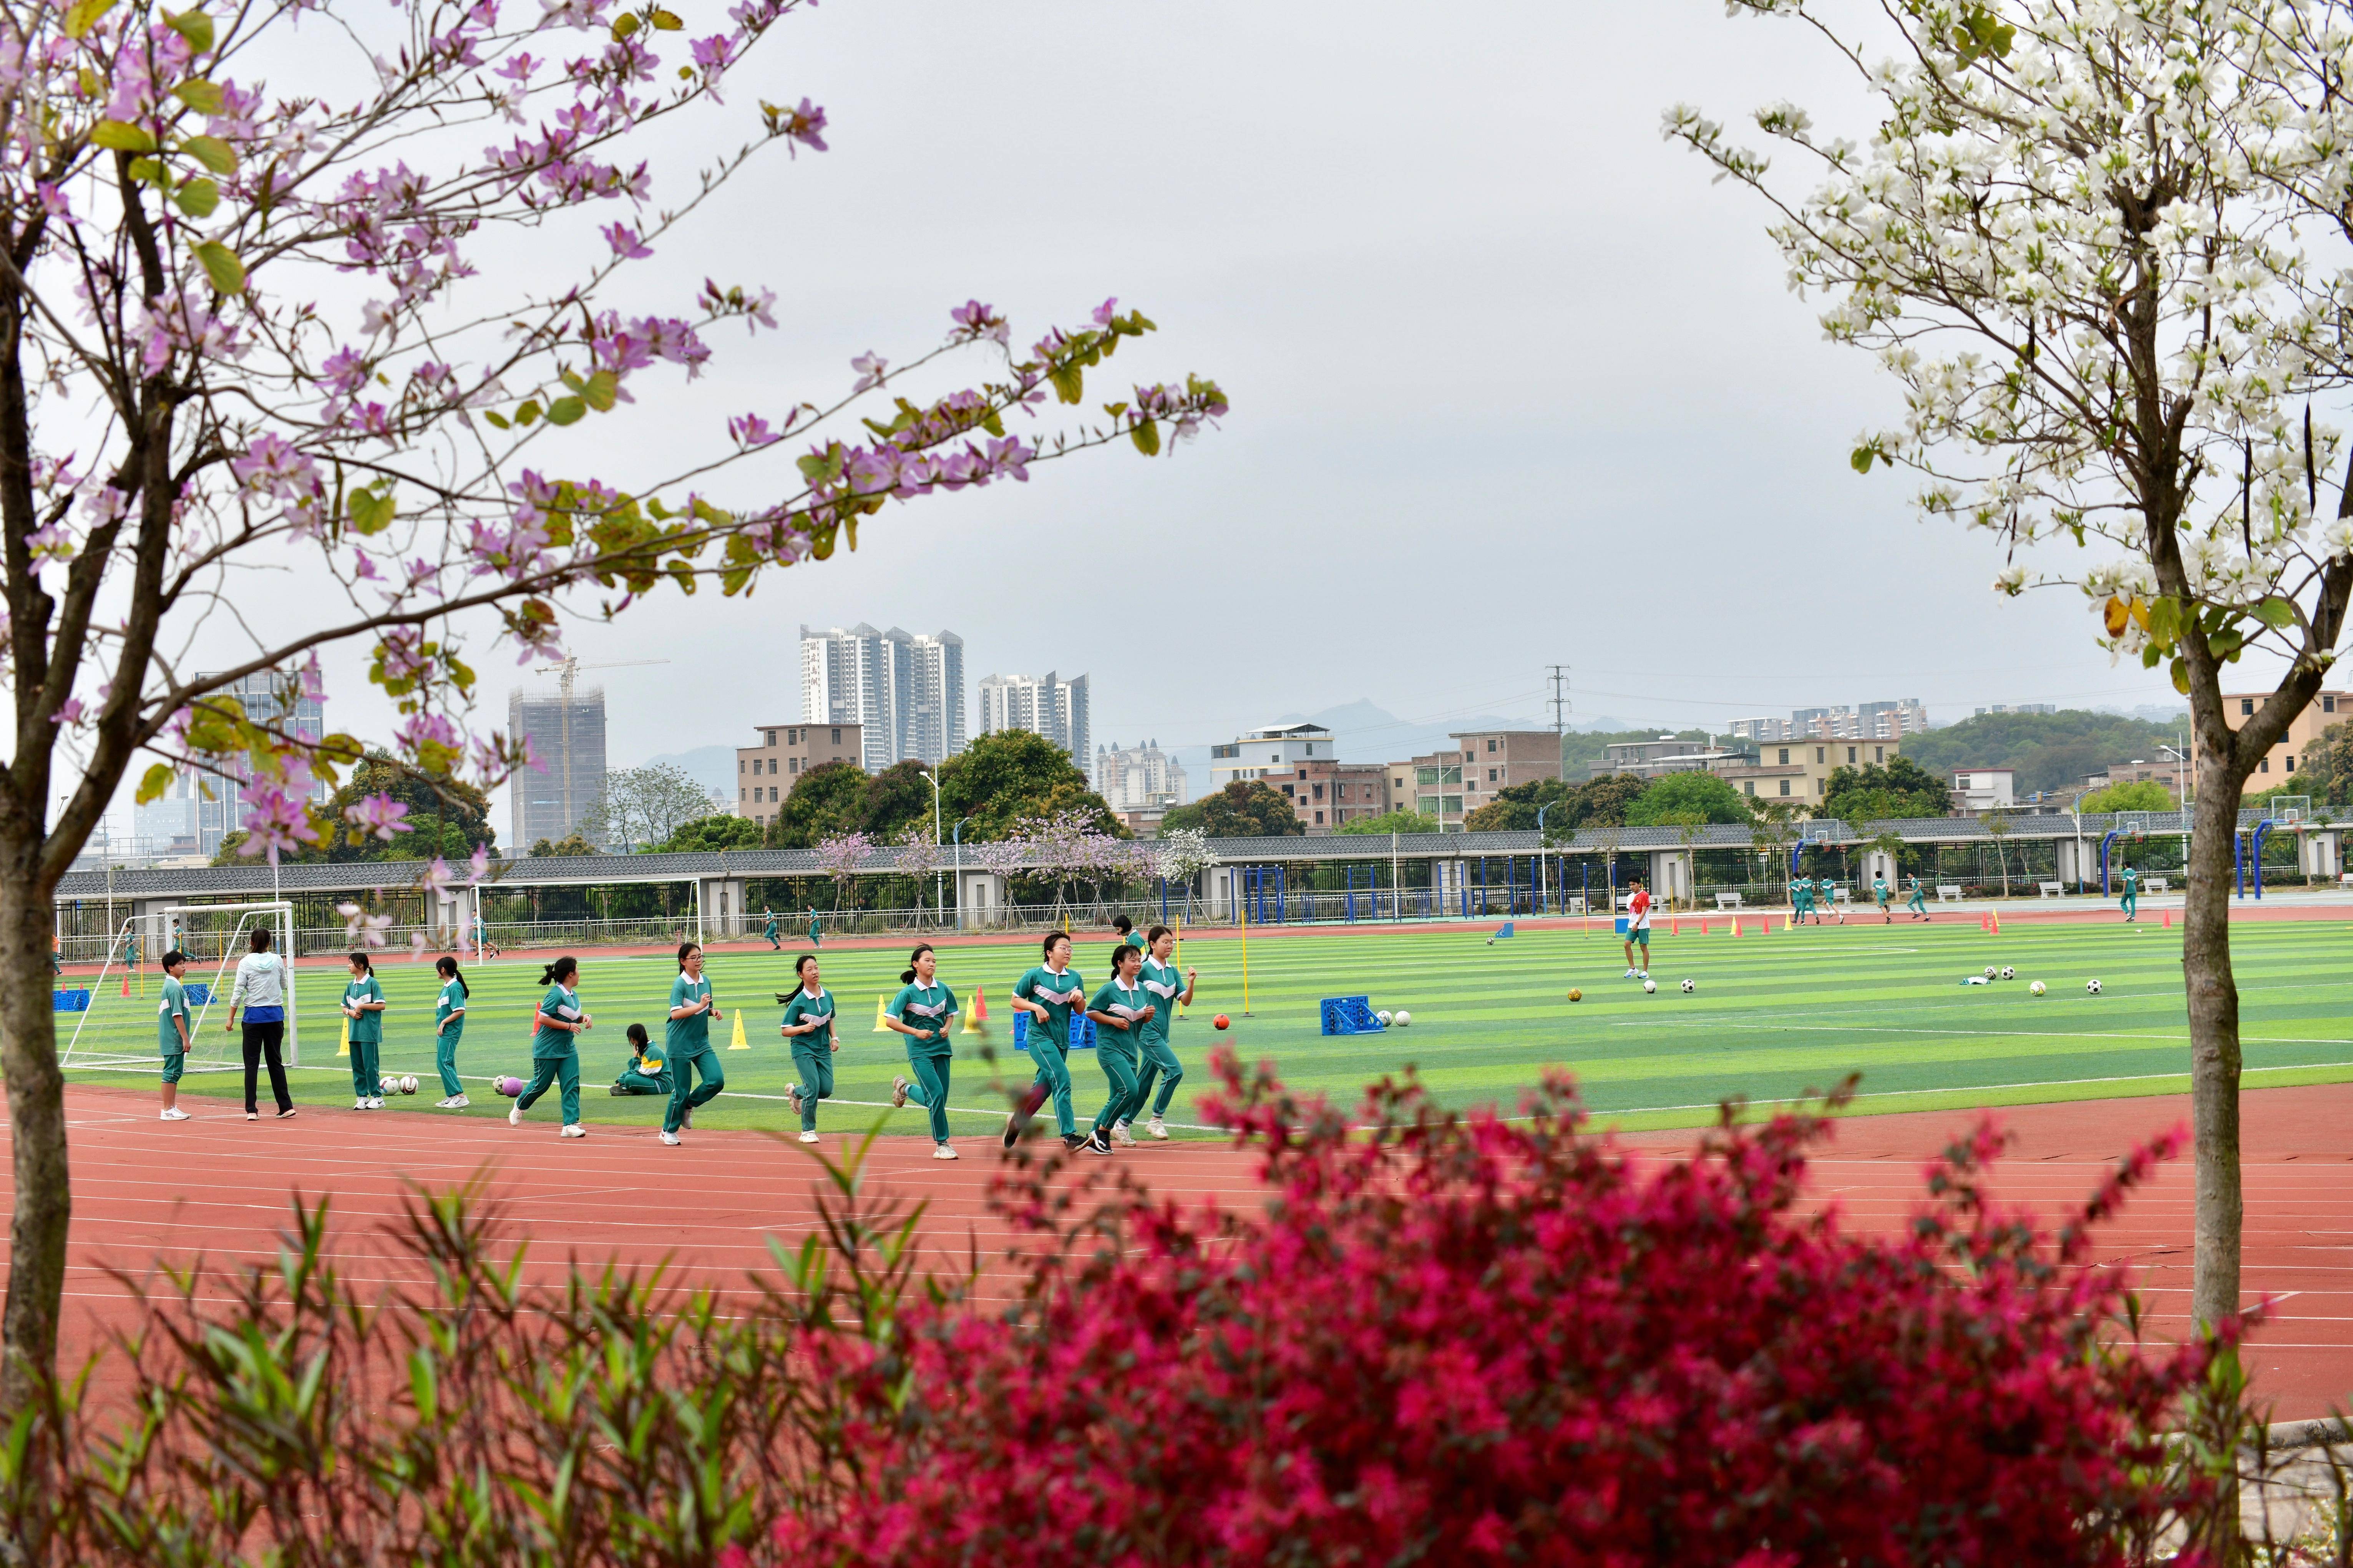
x,y
1281,885
1163,901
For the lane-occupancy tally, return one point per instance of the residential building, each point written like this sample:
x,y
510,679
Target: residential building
x,y
566,732
1667,754
1327,793
1982,789
1495,760
1799,771
204,802
905,692
1432,785
2019,707
2277,766
768,770
1132,777
1887,720
2164,770
1144,821
1271,753
1043,704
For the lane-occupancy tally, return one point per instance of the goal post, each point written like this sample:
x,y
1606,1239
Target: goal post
x,y
119,1028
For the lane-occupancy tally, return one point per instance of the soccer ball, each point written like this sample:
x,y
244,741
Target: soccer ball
x,y
2035,989
1649,986
1690,986
1490,942
1384,1017
1989,971
1400,1018
1574,994
408,1085
2092,986
2008,973
1222,1022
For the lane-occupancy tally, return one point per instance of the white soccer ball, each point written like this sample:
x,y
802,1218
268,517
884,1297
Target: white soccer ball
x,y
1383,1017
2092,986
2008,973
1649,986
1690,986
1401,1017
1989,971
2035,989
408,1085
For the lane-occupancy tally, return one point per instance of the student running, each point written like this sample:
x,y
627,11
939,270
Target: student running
x,y
449,1028
646,1073
1048,993
808,1024
1801,899
1918,902
555,1047
1168,990
172,1033
922,1011
483,946
769,932
1881,895
1638,931
686,1043
1120,1010
363,1006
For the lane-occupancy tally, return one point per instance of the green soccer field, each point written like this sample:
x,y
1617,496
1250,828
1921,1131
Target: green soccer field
x,y
1772,1017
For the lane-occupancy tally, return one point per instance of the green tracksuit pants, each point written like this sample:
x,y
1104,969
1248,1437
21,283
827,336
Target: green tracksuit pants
x,y
1116,1056
930,1089
684,1094
444,1059
563,1071
632,1081
1159,1062
1917,902
815,1064
368,1081
1054,1076
2131,904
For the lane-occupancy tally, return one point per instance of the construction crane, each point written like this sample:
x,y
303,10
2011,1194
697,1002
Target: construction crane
x,y
567,674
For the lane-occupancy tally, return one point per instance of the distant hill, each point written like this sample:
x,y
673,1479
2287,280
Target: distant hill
x,y
2047,751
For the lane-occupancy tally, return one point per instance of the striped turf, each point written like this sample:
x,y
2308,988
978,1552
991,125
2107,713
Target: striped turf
x,y
1774,1016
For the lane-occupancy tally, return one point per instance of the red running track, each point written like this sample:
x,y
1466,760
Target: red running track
x,y
218,1187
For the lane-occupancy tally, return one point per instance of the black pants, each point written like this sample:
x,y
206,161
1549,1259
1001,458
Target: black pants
x,y
265,1040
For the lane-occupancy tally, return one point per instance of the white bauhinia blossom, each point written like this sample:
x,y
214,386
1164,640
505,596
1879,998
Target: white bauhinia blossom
x,y
2102,249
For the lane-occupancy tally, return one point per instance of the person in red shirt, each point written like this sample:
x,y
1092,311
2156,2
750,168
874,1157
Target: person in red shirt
x,y
1638,930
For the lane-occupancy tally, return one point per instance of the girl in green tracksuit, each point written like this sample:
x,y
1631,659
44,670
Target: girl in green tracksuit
x,y
1048,993
1168,989
449,1028
923,1011
1120,1009
363,1006
555,1046
808,1024
686,1043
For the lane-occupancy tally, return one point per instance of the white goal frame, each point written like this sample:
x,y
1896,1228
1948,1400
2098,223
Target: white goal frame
x,y
206,1054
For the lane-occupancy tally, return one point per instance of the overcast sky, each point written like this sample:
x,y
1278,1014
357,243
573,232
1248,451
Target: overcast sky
x,y
1512,384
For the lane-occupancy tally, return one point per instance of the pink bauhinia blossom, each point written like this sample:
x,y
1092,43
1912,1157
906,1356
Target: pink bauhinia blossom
x,y
378,815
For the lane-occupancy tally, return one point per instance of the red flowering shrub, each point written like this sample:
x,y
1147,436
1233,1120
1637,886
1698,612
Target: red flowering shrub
x,y
1468,1340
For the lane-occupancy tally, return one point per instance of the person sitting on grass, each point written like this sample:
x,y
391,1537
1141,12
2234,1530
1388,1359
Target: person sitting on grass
x,y
646,1073
173,1033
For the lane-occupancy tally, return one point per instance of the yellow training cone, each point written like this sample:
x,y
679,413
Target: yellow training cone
x,y
882,1011
739,1043
977,1015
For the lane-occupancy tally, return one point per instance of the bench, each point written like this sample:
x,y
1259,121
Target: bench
x,y
1576,903
1947,893
1732,900
2051,889
2152,884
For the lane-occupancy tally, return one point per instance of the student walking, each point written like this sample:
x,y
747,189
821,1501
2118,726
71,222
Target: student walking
x,y
172,1033
364,1004
1638,931
922,1011
808,1024
1168,990
1048,993
1119,1009
2131,905
449,1028
646,1073
484,948
555,1047
686,1043
260,989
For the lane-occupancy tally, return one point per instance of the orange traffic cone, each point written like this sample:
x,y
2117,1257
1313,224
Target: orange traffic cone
x,y
1703,928
1675,925
2169,919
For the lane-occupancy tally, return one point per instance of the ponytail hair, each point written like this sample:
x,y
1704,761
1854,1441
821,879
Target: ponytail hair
x,y
1155,935
360,961
907,976
636,1034
559,970
449,968
1121,925
1125,951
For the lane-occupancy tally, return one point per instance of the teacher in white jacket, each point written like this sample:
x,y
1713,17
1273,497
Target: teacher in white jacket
x,y
262,979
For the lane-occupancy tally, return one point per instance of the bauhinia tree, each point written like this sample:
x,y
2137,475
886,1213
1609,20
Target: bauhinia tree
x,y
307,337
2102,248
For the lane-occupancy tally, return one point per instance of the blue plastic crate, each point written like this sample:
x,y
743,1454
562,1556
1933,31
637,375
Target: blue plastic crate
x,y
199,993
76,1001
1082,1032
1350,1016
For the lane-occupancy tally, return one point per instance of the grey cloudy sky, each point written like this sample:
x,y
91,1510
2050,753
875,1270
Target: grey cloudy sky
x,y
1512,384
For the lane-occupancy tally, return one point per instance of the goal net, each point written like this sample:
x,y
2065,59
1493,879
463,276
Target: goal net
x,y
117,1018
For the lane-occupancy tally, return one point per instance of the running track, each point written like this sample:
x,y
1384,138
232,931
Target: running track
x,y
218,1187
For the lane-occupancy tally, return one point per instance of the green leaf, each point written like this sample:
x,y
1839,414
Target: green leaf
x,y
527,413
567,411
666,22
149,171
123,138
2181,675
221,265
83,15
498,420
211,152
194,26
203,97
623,26
604,389
1147,437
1863,458
154,783
2277,613
372,509
197,199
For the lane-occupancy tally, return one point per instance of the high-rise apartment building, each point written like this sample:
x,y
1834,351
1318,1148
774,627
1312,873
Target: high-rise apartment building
x,y
1134,777
565,728
275,698
1044,704
904,691
1862,721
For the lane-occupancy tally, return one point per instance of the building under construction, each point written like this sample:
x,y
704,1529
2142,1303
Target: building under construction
x,y
566,732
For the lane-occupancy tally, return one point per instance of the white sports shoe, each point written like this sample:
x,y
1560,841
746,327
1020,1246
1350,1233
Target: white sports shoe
x,y
809,1137
671,1139
1157,1128
1120,1134
514,1116
1627,975
793,1096
457,1102
1645,975
573,1129
174,1114
943,1152
375,1102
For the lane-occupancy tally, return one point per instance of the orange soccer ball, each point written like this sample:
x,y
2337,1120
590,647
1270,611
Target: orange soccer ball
x,y
1222,1022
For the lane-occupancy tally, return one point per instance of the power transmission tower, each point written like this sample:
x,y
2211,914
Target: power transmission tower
x,y
1560,702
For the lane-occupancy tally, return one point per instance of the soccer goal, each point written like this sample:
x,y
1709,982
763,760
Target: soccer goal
x,y
117,1024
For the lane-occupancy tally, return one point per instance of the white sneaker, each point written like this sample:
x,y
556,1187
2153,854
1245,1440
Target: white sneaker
x,y
375,1103
573,1129
671,1139
793,1096
174,1114
514,1116
360,1104
1120,1134
1644,976
943,1152
457,1102
809,1137
1157,1128
898,1093
1627,975
443,1104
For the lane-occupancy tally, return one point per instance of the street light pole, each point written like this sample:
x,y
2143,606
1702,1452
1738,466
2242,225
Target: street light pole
x,y
1543,884
959,865
939,900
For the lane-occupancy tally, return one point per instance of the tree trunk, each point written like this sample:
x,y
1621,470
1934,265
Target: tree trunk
x,y
44,1201
2213,999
